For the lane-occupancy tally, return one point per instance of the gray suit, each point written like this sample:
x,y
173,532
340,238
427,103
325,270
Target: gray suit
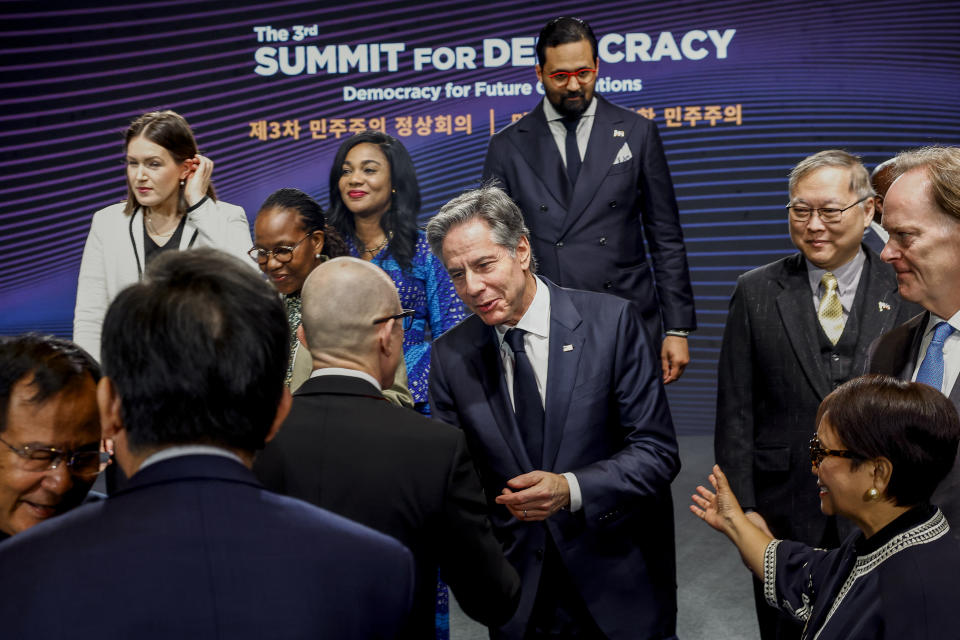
x,y
896,354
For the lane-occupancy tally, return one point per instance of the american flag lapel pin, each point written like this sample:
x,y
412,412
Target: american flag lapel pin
x,y
883,306
618,133
568,347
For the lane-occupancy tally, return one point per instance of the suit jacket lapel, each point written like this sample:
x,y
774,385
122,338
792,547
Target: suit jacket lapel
x,y
539,149
602,150
562,371
878,308
489,369
795,306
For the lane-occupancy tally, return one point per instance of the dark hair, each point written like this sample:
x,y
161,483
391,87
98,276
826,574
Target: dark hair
x,y
562,31
169,130
913,425
312,217
197,352
401,218
53,364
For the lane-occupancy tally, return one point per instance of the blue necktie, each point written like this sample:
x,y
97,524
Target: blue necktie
x,y
526,398
572,149
931,369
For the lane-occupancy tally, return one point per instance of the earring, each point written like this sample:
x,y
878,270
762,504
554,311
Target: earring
x,y
318,255
182,182
394,190
873,495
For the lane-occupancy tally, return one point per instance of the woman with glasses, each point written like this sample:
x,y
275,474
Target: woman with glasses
x,y
374,203
881,448
171,205
291,238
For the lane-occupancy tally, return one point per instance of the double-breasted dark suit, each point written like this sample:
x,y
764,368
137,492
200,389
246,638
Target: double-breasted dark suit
x,y
344,448
896,353
592,236
607,421
195,547
775,368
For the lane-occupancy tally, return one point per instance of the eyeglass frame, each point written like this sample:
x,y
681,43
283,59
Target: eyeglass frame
x,y
555,76
256,252
406,315
58,456
834,217
818,452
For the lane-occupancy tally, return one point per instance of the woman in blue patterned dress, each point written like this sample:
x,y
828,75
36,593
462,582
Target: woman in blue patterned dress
x,y
374,203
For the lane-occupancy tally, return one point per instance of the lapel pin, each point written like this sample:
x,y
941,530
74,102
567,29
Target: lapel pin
x,y
883,306
618,133
568,347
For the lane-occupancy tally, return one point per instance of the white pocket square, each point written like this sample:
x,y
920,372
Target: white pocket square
x,y
623,155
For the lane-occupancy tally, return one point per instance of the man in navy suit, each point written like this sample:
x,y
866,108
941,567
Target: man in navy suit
x,y
194,358
559,394
592,181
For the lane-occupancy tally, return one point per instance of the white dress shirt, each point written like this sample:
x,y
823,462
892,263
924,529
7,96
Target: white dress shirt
x,y
536,343
951,351
584,127
848,277
350,373
188,450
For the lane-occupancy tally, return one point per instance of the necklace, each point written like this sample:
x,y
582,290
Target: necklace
x,y
386,239
154,232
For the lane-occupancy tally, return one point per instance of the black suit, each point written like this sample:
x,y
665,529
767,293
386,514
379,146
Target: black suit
x,y
345,448
592,237
896,354
776,366
194,547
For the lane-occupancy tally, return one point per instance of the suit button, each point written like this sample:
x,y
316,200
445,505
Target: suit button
x,y
607,285
543,207
834,357
560,244
603,241
539,554
613,204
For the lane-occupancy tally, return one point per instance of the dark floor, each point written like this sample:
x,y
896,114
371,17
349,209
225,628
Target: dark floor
x,y
715,597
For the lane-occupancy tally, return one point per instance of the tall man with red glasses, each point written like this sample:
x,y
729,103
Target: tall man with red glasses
x,y
592,182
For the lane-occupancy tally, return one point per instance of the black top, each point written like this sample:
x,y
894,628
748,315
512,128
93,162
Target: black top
x,y
151,249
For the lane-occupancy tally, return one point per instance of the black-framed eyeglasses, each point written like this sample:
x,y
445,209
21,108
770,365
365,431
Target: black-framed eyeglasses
x,y
282,253
582,75
818,452
406,315
83,463
802,213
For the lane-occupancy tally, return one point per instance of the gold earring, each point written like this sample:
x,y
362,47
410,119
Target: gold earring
x,y
873,495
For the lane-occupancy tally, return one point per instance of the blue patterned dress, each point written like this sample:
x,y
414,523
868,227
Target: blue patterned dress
x,y
427,289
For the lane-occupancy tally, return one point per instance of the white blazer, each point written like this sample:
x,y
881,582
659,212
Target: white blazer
x,y
113,256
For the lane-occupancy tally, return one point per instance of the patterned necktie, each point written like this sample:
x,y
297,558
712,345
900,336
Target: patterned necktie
x,y
830,312
526,398
931,369
572,149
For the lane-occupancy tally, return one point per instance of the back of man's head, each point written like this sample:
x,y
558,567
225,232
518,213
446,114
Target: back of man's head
x,y
341,300
197,352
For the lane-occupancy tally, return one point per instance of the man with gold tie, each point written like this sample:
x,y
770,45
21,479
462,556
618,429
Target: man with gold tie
x,y
798,328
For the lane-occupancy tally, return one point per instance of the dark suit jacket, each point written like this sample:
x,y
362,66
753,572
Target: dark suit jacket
x,y
344,448
772,378
593,238
194,547
608,422
896,354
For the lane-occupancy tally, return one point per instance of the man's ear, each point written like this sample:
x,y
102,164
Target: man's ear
x,y
539,73
111,414
385,337
283,410
302,337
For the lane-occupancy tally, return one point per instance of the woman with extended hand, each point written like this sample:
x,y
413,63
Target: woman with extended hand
x,y
881,447
171,205
374,203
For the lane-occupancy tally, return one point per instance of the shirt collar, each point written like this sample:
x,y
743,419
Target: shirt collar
x,y
536,319
350,373
552,114
847,275
188,450
954,322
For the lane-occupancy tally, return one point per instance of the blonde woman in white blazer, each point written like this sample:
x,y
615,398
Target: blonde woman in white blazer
x,y
171,205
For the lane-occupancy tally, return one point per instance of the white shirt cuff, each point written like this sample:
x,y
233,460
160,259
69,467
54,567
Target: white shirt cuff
x,y
576,500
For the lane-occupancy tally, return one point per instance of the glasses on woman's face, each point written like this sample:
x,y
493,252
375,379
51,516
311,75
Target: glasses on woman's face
x,y
281,254
83,464
818,452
